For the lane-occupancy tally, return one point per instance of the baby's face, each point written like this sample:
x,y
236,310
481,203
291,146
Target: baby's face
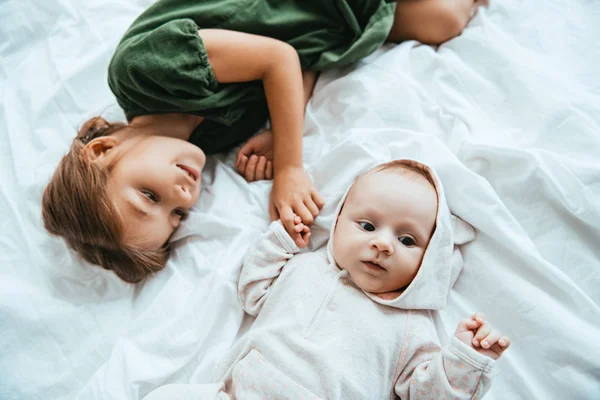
x,y
384,229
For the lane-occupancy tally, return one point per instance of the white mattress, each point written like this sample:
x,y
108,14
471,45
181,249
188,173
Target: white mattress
x,y
508,113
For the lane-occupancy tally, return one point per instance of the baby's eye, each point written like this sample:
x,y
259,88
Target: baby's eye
x,y
150,195
407,241
181,213
367,226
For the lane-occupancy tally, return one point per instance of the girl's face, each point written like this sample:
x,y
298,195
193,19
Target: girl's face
x,y
154,181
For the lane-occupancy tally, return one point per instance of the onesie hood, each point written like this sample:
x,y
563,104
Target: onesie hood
x,y
442,260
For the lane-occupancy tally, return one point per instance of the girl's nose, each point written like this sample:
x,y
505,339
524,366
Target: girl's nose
x,y
183,193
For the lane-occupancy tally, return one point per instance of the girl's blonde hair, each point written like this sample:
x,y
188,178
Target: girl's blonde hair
x,y
76,206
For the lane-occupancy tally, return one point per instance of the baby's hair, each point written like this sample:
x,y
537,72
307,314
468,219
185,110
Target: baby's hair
x,y
404,166
76,206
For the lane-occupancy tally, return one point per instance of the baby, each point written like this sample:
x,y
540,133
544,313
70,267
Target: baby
x,y
354,320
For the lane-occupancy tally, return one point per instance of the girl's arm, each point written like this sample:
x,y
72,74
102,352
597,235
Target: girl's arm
x,y
261,145
240,57
309,78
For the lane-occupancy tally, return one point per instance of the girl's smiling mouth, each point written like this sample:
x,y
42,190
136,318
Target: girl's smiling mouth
x,y
192,172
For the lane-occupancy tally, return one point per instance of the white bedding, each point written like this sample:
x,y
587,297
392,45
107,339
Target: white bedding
x,y
508,113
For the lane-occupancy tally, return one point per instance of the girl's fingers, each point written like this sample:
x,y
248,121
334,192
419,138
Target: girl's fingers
x,y
312,207
247,148
304,213
261,166
251,168
317,199
269,170
287,219
241,155
242,165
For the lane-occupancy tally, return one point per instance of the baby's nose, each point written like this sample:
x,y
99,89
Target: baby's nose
x,y
383,244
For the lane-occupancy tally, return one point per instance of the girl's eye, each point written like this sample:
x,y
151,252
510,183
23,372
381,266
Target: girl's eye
x,y
407,241
367,226
180,212
150,195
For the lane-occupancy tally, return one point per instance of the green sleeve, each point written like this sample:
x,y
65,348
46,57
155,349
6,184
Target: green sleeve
x,y
163,70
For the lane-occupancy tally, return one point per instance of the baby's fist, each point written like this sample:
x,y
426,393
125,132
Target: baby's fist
x,y
480,335
301,234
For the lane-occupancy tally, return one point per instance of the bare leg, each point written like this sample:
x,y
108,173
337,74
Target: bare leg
x,y
430,21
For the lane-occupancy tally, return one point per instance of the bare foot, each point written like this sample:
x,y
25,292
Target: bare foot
x,y
255,158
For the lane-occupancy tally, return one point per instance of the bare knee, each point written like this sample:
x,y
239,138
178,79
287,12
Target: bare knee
x,y
450,20
430,21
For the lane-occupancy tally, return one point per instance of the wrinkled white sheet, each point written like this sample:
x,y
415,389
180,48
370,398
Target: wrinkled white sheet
x,y
508,113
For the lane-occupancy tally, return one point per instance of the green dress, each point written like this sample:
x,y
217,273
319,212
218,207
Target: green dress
x,y
161,66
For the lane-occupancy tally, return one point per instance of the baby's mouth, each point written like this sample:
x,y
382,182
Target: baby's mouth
x,y
373,266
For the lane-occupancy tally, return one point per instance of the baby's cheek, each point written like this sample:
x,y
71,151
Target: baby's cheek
x,y
340,250
418,258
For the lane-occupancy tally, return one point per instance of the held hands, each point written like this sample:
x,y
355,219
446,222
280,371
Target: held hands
x,y
296,202
293,195
481,336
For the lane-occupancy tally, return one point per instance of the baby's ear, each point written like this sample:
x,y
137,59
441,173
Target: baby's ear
x,y
463,233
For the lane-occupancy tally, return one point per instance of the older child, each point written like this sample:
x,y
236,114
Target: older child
x,y
211,72
354,320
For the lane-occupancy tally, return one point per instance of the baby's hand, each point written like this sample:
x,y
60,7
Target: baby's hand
x,y
480,335
301,233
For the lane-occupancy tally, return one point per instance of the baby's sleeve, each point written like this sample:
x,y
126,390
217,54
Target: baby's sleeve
x,y
163,70
455,372
262,265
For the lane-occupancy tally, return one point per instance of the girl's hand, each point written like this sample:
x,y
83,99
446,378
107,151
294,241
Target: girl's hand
x,y
293,195
480,335
255,158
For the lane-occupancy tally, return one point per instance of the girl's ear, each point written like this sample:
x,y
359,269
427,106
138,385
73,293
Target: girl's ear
x,y
100,150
